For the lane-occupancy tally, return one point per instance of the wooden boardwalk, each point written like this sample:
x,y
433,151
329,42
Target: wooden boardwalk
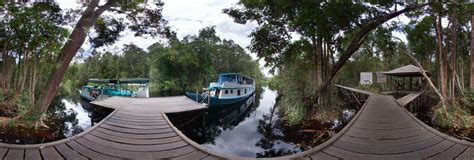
x,y
139,129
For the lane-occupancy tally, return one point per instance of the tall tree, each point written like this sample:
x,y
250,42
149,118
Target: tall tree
x,y
144,21
471,75
316,23
453,48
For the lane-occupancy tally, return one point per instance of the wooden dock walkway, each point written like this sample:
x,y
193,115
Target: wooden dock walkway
x,y
139,129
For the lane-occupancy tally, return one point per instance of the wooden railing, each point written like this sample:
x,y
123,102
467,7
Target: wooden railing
x,y
354,96
414,102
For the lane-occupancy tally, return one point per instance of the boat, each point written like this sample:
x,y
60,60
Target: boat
x,y
104,88
230,88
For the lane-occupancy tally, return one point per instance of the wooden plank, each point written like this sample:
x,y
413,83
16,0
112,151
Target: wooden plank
x,y
427,152
138,148
139,123
388,131
68,153
344,154
50,153
111,151
386,135
193,155
32,154
118,139
387,127
136,136
15,154
88,152
210,157
393,142
368,149
136,126
450,153
135,131
323,156
468,154
3,151
156,116
173,153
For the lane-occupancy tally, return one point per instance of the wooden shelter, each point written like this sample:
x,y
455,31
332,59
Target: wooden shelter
x,y
407,78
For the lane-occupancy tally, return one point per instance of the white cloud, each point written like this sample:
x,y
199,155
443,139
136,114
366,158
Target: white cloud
x,y
187,18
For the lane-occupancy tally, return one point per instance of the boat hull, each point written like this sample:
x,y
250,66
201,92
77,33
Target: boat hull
x,y
215,101
86,96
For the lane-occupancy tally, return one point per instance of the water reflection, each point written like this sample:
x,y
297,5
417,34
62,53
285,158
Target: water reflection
x,y
252,129
67,116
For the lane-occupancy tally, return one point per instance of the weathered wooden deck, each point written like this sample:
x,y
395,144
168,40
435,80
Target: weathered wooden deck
x,y
139,129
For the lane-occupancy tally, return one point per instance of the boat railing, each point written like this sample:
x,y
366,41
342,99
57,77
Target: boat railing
x,y
206,97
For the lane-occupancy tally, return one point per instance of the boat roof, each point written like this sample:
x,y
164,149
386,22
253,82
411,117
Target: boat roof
x,y
103,80
225,74
124,80
135,80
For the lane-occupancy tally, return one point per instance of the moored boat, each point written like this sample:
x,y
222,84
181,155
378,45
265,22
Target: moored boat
x,y
230,88
104,88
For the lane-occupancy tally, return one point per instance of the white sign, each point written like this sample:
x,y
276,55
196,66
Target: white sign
x,y
381,78
365,77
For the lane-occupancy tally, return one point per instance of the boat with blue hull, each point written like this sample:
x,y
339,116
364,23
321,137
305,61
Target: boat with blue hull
x,y
230,88
104,88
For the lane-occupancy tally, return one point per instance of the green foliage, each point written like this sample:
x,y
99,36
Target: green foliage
x,y
194,62
186,65
457,120
293,111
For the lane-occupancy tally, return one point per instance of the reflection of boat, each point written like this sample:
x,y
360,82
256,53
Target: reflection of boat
x,y
103,88
229,88
231,113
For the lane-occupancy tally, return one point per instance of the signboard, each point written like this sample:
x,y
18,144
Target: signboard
x,y
365,77
381,78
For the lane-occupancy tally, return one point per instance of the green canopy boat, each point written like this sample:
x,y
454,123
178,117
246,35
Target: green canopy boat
x,y
103,88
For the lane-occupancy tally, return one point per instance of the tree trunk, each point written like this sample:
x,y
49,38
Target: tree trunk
x,y
442,56
69,50
471,75
443,100
317,65
453,48
359,38
24,74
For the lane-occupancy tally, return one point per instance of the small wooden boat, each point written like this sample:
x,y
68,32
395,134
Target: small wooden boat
x,y
104,88
230,88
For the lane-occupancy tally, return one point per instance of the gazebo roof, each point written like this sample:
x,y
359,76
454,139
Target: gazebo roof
x,y
406,71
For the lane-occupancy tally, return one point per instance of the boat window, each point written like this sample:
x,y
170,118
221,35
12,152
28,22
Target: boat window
x,y
225,78
226,91
238,92
245,91
232,91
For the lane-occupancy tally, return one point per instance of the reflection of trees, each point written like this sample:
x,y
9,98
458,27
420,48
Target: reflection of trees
x,y
96,113
62,122
211,123
273,130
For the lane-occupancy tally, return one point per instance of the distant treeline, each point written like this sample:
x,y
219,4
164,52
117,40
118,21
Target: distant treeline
x,y
182,65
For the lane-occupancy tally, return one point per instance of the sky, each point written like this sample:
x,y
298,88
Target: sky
x,y
187,17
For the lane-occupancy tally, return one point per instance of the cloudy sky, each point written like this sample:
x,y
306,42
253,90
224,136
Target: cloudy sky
x,y
187,17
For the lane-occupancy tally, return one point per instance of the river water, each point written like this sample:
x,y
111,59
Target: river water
x,y
67,116
253,128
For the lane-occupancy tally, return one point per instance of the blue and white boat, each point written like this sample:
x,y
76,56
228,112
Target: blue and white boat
x,y
229,88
